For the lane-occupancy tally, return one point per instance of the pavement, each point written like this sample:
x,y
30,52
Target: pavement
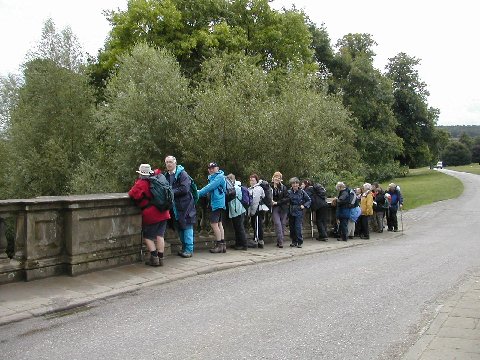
x,y
454,333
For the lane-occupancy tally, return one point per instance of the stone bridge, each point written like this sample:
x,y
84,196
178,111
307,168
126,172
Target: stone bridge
x,y
48,236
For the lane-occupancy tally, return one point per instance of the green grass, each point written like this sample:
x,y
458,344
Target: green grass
x,y
472,168
425,186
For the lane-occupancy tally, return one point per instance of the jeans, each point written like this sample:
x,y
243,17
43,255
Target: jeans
x,y
295,223
240,236
279,216
378,218
321,217
186,237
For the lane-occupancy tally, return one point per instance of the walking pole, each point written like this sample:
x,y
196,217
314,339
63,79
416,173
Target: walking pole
x,y
401,218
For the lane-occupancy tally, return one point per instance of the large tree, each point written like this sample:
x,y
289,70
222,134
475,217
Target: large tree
x,y
368,94
143,119
195,30
415,118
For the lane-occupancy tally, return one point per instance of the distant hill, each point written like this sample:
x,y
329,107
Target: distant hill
x,y
456,130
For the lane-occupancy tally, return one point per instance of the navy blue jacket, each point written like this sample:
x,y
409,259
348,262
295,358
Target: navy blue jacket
x,y
297,198
183,203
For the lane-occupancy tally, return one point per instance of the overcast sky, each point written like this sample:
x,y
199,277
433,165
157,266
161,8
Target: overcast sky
x,y
443,34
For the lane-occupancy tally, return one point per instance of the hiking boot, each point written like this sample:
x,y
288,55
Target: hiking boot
x,y
224,247
293,245
185,254
260,245
299,246
155,261
252,244
218,249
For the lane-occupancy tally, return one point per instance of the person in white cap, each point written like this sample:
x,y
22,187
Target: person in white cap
x,y
154,221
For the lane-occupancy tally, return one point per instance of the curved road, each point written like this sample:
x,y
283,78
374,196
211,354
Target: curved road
x,y
367,302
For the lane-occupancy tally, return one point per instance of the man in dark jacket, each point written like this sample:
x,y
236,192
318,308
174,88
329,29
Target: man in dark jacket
x,y
396,202
299,200
184,211
343,208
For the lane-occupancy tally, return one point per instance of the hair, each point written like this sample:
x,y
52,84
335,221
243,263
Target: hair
x,y
392,185
231,177
294,180
254,176
367,186
277,174
307,183
171,158
340,185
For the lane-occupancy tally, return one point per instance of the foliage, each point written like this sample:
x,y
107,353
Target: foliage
x,y
476,153
466,140
456,130
195,30
62,48
143,120
369,96
424,186
252,118
50,129
416,120
456,153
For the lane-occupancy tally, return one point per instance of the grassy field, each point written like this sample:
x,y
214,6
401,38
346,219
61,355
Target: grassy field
x,y
472,168
425,186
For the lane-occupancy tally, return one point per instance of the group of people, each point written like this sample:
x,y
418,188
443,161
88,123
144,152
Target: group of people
x,y
357,209
284,204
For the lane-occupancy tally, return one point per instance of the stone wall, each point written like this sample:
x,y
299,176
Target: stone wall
x,y
48,236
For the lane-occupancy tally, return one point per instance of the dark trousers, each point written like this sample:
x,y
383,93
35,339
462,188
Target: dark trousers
x,y
364,222
343,228
392,221
240,236
321,217
257,225
295,224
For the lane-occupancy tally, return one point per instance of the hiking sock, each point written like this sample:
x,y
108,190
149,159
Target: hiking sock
x,y
154,253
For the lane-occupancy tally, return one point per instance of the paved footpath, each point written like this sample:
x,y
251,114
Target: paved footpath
x,y
454,333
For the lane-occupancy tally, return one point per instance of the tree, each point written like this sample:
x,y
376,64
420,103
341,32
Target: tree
x,y
50,129
195,30
466,140
62,48
143,119
456,153
476,153
369,96
415,118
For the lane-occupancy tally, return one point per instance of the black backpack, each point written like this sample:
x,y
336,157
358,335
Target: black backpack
x,y
161,191
319,199
352,199
267,200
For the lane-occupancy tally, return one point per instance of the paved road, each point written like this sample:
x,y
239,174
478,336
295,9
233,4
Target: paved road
x,y
357,303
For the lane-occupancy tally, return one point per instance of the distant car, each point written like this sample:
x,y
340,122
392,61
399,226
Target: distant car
x,y
439,165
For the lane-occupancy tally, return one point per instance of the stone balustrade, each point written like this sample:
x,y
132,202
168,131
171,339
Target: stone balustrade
x,y
48,236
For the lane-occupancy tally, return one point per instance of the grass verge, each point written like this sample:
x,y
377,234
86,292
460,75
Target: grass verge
x,y
425,186
472,168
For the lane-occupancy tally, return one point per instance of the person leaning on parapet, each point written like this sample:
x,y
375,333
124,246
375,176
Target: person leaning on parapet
x,y
299,200
257,210
366,204
396,202
343,210
280,202
217,188
154,221
184,211
236,212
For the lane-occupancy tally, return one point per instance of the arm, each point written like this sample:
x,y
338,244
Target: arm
x,y
219,181
184,187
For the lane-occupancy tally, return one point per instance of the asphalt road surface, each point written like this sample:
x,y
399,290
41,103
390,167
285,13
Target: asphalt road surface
x,y
367,302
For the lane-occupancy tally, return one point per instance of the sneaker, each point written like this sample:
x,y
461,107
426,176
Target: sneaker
x,y
395,230
299,246
186,254
260,246
293,245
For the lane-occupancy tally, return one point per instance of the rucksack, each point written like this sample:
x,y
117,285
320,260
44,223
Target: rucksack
x,y
246,199
161,191
267,200
318,197
193,189
352,199
231,193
